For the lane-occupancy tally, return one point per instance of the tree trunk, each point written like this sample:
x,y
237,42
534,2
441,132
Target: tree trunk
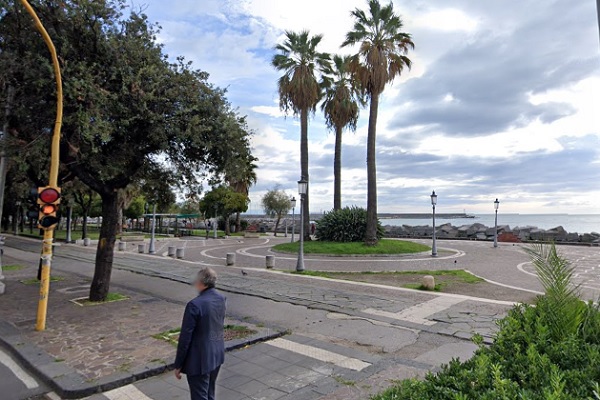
x,y
276,225
120,218
238,222
337,170
227,225
304,171
84,225
371,235
106,247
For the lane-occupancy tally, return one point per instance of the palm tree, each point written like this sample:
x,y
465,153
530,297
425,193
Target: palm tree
x,y
299,90
241,176
381,57
341,108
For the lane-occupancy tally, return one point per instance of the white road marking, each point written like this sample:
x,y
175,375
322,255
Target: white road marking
x,y
128,392
320,354
17,371
53,396
418,314
505,285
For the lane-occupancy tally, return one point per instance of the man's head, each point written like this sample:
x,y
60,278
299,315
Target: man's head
x,y
206,279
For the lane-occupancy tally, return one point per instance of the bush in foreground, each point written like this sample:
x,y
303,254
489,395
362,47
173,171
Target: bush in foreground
x,y
346,225
550,351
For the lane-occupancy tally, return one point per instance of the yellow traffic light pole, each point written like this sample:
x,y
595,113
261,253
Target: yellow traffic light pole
x,y
53,181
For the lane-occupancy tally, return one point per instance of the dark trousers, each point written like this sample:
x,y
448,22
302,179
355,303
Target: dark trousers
x,y
202,387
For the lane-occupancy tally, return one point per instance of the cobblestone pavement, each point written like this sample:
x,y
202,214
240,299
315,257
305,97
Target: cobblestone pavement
x,y
350,339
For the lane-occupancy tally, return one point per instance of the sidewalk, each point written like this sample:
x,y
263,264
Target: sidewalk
x,y
95,347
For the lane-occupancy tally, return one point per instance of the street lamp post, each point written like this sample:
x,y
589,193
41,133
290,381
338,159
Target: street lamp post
x,y
496,205
293,204
434,245
151,248
302,190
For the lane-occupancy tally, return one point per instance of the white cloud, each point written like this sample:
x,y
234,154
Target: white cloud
x,y
446,20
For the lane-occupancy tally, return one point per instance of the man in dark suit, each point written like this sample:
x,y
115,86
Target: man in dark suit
x,y
201,348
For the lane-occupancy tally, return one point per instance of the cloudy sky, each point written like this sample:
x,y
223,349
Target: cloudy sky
x,y
503,100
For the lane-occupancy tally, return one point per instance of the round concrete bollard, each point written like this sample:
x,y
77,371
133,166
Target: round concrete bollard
x,y
122,246
87,242
428,282
180,253
230,259
171,251
141,248
270,262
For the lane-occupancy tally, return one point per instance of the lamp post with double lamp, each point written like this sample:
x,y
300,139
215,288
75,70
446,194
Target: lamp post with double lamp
x,y
302,190
293,204
496,205
434,245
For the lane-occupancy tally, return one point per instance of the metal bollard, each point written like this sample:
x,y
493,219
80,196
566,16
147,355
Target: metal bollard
x,y
270,262
122,246
180,253
141,248
230,259
171,251
87,241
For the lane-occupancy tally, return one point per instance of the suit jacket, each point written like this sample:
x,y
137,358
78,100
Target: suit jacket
x,y
201,347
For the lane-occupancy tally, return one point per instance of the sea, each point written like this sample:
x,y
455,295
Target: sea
x,y
579,223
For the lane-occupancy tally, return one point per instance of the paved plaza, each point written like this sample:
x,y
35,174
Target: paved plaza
x,y
344,340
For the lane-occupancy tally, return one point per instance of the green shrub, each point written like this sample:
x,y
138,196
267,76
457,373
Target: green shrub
x,y
346,225
550,351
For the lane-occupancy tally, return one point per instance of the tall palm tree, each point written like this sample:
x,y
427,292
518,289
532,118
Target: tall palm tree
x,y
381,57
299,90
341,108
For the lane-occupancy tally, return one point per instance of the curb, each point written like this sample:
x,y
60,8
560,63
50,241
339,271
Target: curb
x,y
69,384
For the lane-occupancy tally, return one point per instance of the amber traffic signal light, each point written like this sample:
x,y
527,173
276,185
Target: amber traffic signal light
x,y
48,200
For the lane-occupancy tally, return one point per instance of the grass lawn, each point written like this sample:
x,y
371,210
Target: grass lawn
x,y
385,246
446,280
110,298
12,268
34,281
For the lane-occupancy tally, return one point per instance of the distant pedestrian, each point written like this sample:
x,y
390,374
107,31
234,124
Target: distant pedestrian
x,y
201,348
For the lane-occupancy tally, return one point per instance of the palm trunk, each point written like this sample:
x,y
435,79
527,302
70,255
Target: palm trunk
x,y
337,170
371,235
106,247
227,225
304,170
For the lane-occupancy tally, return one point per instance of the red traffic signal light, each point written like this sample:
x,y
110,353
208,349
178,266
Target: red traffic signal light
x,y
49,195
48,200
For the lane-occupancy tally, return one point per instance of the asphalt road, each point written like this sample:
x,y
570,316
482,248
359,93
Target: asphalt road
x,y
15,382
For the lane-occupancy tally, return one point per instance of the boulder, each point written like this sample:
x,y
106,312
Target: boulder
x,y
572,237
428,282
537,234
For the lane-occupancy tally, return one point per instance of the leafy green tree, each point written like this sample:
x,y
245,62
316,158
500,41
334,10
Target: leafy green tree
x,y
129,112
299,90
341,108
136,208
223,201
381,58
276,203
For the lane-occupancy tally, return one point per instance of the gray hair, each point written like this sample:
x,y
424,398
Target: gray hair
x,y
208,277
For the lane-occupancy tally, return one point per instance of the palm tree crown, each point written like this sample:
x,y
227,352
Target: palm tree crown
x,y
300,61
342,98
383,47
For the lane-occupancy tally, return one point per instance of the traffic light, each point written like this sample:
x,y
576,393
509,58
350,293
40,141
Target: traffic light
x,y
48,200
